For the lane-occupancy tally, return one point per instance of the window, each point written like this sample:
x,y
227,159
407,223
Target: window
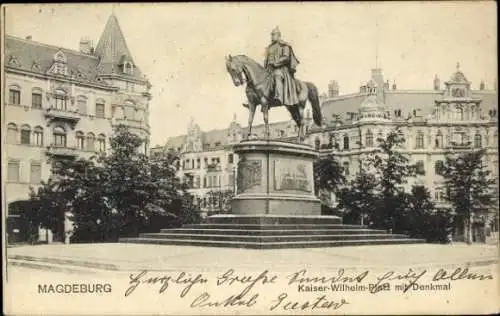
x,y
420,169
60,63
333,141
317,143
25,135
419,140
439,140
459,138
459,114
129,112
345,164
127,68
90,142
80,140
230,158
14,96
81,105
35,172
477,141
102,143
60,100
38,136
36,100
439,194
12,133
99,110
59,137
380,136
204,182
438,167
13,171
369,139
346,142
198,163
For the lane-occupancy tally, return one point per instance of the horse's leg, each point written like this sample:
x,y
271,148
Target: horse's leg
x,y
300,118
251,113
265,112
295,116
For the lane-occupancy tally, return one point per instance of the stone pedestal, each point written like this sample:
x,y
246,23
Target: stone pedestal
x,y
275,178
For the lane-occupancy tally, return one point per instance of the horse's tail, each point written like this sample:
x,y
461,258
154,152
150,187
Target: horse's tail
x,y
312,94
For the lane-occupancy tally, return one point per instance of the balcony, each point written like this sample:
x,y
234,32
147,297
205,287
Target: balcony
x,y
53,114
133,124
61,151
460,145
213,167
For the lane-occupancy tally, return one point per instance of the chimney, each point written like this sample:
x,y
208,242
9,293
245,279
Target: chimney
x,y
437,83
333,89
386,85
86,46
481,85
394,87
28,37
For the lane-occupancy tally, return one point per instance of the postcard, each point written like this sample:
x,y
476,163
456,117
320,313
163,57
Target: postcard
x,y
250,158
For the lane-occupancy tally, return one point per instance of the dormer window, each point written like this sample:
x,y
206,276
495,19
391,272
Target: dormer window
x,y
59,57
59,66
36,67
128,68
13,61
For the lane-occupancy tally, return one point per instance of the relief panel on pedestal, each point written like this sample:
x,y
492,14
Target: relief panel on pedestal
x,y
249,174
290,175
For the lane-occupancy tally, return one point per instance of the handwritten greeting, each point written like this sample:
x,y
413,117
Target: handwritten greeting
x,y
328,291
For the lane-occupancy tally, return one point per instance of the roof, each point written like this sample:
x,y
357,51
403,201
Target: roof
x,y
338,107
32,56
112,48
405,100
221,137
459,77
29,53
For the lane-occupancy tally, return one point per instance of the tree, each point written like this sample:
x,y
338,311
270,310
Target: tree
x,y
359,197
116,194
392,168
469,187
328,176
422,220
47,207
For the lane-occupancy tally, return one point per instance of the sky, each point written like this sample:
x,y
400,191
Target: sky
x,y
182,47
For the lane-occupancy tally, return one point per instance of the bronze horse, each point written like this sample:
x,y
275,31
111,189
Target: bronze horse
x,y
259,86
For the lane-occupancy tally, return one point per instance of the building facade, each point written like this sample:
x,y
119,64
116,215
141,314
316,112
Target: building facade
x,y
449,118
61,103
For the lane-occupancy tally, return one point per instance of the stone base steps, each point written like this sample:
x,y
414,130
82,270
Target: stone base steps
x,y
272,232
284,236
269,245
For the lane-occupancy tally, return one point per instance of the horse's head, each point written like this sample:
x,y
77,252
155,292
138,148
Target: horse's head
x,y
235,68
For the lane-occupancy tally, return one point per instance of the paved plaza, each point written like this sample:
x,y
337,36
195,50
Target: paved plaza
x,y
123,257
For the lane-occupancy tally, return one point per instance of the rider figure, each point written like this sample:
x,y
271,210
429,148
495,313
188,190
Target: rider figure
x,y
281,62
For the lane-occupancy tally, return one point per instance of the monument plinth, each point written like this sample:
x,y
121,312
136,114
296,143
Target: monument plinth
x,y
275,178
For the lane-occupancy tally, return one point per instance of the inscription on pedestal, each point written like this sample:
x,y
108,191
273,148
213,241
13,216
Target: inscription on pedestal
x,y
249,174
291,175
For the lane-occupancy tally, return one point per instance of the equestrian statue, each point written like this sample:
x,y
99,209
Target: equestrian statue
x,y
275,85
